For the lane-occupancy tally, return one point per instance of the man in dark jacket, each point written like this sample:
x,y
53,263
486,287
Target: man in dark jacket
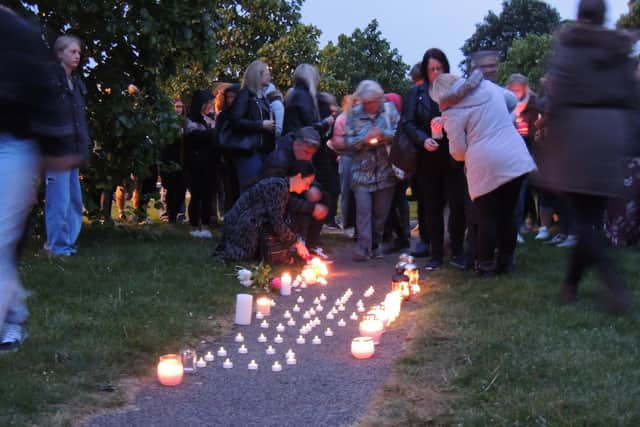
x,y
592,108
307,213
31,123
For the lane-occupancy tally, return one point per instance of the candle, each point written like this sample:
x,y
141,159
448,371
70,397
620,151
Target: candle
x,y
371,327
287,314
341,308
280,327
259,316
303,285
291,361
309,275
334,311
342,323
222,352
263,305
380,314
296,308
300,300
170,370
189,358
316,340
354,316
300,340
304,330
316,301
227,364
264,324
243,349
361,309
244,302
285,284
312,311
328,332
262,338
208,357
270,350
278,339
290,354
362,347
253,366
201,363
323,297
330,316
306,315
317,321
291,322
415,290
277,367
319,307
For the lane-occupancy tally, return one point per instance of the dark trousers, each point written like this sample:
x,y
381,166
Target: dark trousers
x,y
447,186
494,214
590,250
174,184
201,189
307,226
418,191
398,218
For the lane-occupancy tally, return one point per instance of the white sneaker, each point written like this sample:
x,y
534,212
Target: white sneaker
x,y
520,239
569,242
206,234
12,336
543,233
558,238
196,233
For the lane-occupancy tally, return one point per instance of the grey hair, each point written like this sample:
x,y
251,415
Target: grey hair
x,y
517,79
368,89
63,42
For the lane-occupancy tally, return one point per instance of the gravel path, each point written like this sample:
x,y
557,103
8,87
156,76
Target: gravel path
x,y
327,387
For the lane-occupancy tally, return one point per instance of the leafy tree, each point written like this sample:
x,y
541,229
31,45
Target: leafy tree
x,y
631,20
517,19
137,43
363,55
528,56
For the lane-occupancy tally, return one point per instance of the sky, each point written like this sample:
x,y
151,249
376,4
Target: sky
x,y
413,26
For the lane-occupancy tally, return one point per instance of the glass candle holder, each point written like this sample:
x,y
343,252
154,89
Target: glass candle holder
x,y
170,370
189,358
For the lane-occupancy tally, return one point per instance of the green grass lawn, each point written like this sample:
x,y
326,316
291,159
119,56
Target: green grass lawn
x,y
130,295
502,351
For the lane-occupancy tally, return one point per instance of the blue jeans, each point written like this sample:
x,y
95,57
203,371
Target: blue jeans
x,y
248,169
372,208
63,211
344,168
19,167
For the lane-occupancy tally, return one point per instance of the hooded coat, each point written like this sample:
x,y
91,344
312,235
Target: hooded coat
x,y
481,133
591,116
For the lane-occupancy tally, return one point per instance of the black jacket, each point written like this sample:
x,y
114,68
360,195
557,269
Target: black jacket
x,y
246,116
72,99
29,104
300,111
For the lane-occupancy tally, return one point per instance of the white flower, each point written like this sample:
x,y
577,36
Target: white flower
x,y
244,274
246,283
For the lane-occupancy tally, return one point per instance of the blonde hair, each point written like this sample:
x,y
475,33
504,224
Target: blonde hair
x,y
368,89
307,74
252,78
63,42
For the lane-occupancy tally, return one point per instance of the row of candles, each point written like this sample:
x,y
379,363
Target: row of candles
x,y
404,286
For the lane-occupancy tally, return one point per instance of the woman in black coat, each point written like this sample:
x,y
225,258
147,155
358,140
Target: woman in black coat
x,y
301,105
440,179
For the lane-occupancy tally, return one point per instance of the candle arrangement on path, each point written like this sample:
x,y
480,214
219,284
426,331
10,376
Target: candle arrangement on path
x,y
369,318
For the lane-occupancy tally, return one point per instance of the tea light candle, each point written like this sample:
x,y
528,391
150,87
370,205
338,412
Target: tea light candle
x,y
278,339
330,316
253,366
208,357
270,350
239,338
322,281
290,354
243,349
280,327
287,314
291,361
263,305
277,367
361,310
308,275
306,315
354,316
312,311
304,330
300,300
342,323
341,308
227,364
317,321
273,303
262,338
291,322
264,324
244,302
334,310
316,301
201,363
170,370
328,332
323,297
259,316
296,308
362,347
303,285
373,328
316,340
300,340
222,352
319,307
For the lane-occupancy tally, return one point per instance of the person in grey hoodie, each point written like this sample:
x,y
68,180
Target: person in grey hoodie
x,y
475,115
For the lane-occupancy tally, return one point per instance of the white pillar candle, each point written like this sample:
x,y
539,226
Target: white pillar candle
x,y
208,357
243,349
362,347
270,350
170,370
316,340
222,352
201,363
300,340
244,303
291,322
227,364
262,338
278,339
239,338
253,366
263,305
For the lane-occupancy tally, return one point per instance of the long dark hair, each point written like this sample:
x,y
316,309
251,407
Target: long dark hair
x,y
438,55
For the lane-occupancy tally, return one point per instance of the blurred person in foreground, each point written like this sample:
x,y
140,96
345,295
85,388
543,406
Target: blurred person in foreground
x,y
589,123
35,132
